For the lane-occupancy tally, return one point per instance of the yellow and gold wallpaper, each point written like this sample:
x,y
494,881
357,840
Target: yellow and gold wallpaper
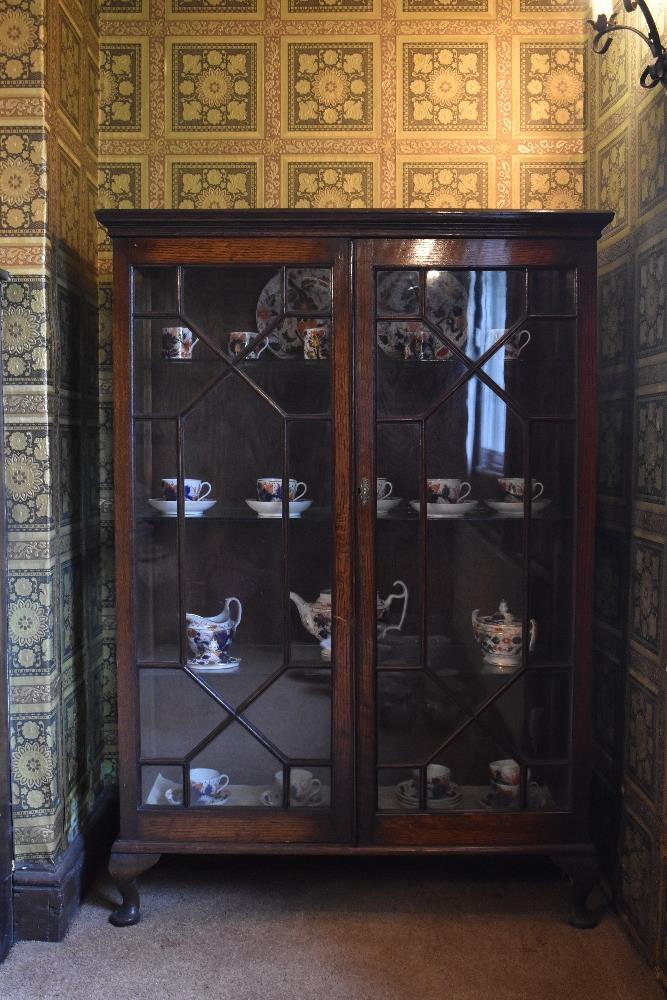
x,y
342,103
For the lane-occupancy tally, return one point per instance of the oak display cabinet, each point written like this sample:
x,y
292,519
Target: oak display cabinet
x,y
400,660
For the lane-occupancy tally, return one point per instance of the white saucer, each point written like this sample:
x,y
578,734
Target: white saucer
x,y
274,508
384,506
509,508
438,510
228,667
193,508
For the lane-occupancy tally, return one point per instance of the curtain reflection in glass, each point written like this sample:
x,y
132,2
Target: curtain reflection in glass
x,y
487,310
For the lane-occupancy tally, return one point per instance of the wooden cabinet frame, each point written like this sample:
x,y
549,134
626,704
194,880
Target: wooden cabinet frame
x,y
354,244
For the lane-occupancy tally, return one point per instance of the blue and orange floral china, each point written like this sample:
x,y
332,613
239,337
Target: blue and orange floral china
x,y
500,637
446,490
240,339
316,344
192,489
514,488
271,488
210,639
316,616
178,343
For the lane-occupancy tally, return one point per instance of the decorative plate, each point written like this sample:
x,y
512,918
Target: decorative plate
x,y
308,290
446,308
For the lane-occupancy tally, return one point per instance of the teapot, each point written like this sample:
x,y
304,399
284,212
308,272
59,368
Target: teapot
x,y
501,637
316,616
209,639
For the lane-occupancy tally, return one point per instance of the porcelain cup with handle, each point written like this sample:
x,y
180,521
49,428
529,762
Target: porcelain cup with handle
x,y
192,489
178,343
514,488
447,490
304,788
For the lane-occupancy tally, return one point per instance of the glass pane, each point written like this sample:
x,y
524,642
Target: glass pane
x,y
161,786
155,289
554,455
290,698
486,598
247,764
175,713
156,556
228,591
552,292
537,366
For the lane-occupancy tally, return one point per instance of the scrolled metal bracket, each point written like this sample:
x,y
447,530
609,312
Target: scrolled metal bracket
x,y
604,28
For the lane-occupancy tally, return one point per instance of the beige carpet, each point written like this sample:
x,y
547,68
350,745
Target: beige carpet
x,y
335,929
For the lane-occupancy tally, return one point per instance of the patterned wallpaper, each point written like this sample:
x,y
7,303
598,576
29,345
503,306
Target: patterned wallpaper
x,y
627,153
342,103
57,424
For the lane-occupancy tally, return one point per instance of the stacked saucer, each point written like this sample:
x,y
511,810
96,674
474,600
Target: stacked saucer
x,y
406,793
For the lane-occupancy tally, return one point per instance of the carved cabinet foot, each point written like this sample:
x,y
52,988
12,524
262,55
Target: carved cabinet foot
x,y
584,872
124,870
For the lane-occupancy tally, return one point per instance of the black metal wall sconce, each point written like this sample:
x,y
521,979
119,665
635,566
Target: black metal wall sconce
x,y
605,24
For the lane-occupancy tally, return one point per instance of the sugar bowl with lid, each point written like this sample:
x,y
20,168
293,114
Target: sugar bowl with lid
x,y
500,636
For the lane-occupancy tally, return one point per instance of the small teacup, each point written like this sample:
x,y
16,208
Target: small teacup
x,y
504,795
438,781
205,783
239,340
178,343
515,345
446,490
316,343
304,789
507,772
192,489
271,488
515,488
384,489
421,345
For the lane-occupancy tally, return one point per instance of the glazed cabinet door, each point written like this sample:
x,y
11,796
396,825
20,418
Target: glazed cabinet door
x,y
473,677
234,480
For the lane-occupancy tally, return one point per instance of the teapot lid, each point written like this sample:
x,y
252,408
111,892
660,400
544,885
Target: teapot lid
x,y
502,616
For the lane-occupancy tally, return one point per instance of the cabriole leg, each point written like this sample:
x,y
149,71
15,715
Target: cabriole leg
x,y
124,870
584,871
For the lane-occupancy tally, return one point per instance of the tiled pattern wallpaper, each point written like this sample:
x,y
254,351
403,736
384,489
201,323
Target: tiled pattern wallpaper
x,y
342,103
627,147
57,425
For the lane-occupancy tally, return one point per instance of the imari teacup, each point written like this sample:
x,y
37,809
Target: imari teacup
x,y
178,343
446,490
239,340
515,488
192,489
316,344
271,488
